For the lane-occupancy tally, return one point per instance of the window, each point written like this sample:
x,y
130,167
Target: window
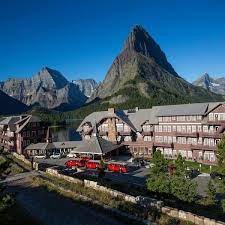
x,y
199,128
178,128
170,140
180,118
174,139
168,128
222,116
165,139
184,129
146,128
200,141
173,118
205,129
160,128
164,128
156,128
174,128
127,138
199,117
147,138
119,127
188,129
193,129
206,141
126,128
211,117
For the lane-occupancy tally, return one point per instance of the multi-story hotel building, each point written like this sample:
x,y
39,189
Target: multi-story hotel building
x,y
192,130
17,132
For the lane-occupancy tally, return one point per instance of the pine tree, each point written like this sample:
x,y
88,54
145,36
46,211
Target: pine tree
x,y
211,193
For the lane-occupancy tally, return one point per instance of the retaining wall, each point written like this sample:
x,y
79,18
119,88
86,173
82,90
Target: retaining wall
x,y
173,212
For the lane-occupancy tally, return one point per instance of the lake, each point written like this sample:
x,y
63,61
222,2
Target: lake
x,y
65,134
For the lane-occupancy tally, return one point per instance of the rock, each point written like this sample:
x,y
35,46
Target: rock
x,y
143,62
86,86
48,88
216,85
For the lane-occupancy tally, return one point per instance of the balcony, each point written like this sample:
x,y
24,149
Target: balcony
x,y
8,138
186,134
147,133
209,135
161,144
203,147
124,133
214,122
103,133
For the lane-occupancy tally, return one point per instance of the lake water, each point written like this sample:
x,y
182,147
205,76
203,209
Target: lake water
x,y
65,134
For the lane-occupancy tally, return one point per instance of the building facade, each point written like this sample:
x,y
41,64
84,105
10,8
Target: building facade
x,y
17,132
192,130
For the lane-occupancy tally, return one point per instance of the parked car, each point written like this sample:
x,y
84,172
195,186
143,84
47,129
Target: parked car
x,y
192,173
56,156
215,175
71,155
117,167
40,156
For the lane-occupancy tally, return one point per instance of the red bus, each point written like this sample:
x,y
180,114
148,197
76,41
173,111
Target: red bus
x,y
93,164
117,167
75,163
85,158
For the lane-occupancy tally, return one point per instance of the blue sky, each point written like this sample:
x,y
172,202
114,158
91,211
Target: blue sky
x,y
81,38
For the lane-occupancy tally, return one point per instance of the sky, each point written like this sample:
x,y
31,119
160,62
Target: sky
x,y
81,38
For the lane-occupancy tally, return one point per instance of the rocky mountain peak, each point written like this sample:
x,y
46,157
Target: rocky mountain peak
x,y
86,86
51,78
211,83
140,41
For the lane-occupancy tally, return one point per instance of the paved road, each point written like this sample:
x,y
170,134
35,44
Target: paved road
x,y
52,209
19,176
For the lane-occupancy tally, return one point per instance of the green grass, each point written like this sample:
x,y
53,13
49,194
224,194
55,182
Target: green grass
x,y
20,163
204,167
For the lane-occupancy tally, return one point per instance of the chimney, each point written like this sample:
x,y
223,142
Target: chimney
x,y
111,110
48,136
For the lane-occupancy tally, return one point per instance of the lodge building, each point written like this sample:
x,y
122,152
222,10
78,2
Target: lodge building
x,y
17,132
192,130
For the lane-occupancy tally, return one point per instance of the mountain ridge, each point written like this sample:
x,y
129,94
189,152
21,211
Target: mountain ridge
x,y
142,59
216,85
47,88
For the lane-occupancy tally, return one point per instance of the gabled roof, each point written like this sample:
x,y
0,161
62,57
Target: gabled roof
x,y
27,120
96,145
136,118
41,146
10,121
96,117
183,109
139,117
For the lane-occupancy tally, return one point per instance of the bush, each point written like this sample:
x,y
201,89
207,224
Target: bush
x,y
223,205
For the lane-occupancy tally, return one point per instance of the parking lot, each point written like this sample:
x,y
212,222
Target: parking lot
x,y
135,175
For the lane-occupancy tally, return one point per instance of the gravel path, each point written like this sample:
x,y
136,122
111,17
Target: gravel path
x,y
52,209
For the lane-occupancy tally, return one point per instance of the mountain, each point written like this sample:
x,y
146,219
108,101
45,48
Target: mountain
x,y
141,74
86,86
10,105
48,89
216,85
